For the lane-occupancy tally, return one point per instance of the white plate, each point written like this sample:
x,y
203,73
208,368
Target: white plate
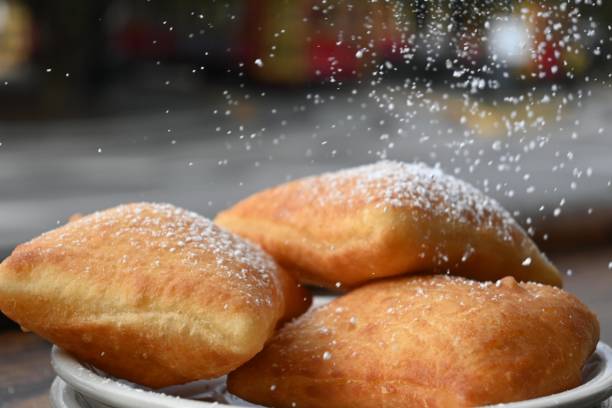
x,y
97,386
62,395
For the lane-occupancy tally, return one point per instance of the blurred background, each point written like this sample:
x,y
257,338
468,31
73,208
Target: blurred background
x,y
200,103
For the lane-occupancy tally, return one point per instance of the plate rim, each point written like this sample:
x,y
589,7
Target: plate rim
x,y
61,395
112,392
596,390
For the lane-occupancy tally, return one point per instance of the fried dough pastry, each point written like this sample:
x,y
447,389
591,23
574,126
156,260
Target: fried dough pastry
x,y
150,293
297,299
390,218
425,341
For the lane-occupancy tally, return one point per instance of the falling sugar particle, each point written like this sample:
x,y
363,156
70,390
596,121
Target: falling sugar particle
x,y
610,265
99,150
259,62
527,261
273,387
327,356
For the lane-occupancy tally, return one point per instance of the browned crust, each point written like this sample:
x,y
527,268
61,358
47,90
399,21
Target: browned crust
x,y
149,293
432,341
297,298
333,232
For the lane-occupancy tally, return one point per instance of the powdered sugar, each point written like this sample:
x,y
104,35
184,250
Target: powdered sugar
x,y
427,191
171,236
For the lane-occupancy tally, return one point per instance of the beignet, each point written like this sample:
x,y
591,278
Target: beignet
x,y
390,218
425,341
149,292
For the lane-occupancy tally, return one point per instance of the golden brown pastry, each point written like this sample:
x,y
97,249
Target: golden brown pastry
x,y
149,292
297,299
425,341
390,218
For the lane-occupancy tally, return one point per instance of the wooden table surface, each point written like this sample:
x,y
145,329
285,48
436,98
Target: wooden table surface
x,y
25,372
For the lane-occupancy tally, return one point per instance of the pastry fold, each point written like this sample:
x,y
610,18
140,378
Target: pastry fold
x,y
150,293
345,228
425,341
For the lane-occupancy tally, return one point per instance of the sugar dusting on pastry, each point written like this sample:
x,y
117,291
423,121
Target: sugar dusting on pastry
x,y
180,232
432,290
389,218
392,184
448,341
149,292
